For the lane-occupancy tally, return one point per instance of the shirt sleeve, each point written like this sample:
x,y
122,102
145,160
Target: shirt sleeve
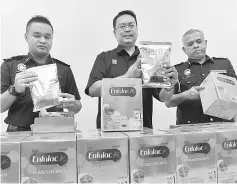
x,y
231,71
5,77
98,71
71,86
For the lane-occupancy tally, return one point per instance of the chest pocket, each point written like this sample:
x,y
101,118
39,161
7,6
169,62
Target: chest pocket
x,y
186,84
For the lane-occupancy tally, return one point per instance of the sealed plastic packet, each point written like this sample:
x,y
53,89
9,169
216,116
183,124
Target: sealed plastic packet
x,y
154,55
45,91
44,113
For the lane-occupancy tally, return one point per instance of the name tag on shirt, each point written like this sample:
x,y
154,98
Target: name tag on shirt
x,y
219,71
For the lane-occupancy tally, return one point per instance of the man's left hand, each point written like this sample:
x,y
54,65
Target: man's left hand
x,y
68,101
171,74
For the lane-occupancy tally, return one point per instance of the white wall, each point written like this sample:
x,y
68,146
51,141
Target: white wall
x,y
84,28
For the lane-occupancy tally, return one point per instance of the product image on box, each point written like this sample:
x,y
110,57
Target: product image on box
x,y
219,98
102,157
84,178
183,170
49,158
138,176
121,105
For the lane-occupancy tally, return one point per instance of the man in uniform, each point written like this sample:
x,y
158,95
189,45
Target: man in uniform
x,y
122,62
191,74
15,81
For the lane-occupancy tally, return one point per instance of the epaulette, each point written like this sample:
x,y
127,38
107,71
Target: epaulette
x,y
179,64
220,58
58,61
20,57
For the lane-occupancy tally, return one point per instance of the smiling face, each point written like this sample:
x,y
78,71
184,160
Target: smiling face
x,y
39,37
194,45
126,30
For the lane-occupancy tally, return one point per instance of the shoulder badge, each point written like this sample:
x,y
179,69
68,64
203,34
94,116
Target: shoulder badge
x,y
182,65
58,61
15,58
179,64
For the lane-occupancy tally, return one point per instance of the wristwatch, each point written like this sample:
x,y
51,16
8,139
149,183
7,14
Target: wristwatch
x,y
13,91
170,88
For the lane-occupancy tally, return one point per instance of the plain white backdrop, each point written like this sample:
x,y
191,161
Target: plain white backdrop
x,y
83,29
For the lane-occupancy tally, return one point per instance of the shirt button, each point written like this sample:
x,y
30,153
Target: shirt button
x,y
211,119
188,121
203,74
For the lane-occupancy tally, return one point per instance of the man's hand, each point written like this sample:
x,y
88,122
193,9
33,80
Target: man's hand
x,y
170,73
24,79
193,93
134,71
68,101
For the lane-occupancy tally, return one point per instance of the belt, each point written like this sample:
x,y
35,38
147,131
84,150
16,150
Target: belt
x,y
12,128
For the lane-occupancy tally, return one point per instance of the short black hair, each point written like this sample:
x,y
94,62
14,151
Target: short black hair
x,y
40,19
124,12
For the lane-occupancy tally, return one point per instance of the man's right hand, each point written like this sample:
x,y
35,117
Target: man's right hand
x,y
134,71
24,79
193,93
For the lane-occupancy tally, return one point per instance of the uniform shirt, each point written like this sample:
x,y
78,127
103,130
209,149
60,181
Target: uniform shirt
x,y
115,63
21,111
192,74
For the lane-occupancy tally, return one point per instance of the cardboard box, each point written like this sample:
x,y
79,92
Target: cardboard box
x,y
121,104
102,157
10,157
209,126
152,157
195,156
226,150
219,98
49,158
18,133
54,125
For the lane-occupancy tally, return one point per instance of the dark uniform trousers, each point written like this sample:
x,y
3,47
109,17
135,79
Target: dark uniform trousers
x,y
12,128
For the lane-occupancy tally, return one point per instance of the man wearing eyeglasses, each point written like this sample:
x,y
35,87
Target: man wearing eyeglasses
x,y
123,61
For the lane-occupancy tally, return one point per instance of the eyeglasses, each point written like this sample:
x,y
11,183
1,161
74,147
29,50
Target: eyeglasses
x,y
124,26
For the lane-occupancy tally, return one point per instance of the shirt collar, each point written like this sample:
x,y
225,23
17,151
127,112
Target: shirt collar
x,y
121,51
29,58
208,59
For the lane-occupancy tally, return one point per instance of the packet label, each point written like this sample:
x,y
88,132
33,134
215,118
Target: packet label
x,y
45,91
